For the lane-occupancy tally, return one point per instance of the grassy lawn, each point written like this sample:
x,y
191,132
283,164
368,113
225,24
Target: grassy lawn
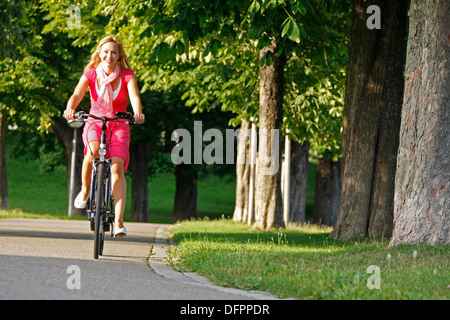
x,y
33,193
303,263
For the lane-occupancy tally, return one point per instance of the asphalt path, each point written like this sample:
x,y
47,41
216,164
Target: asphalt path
x,y
53,259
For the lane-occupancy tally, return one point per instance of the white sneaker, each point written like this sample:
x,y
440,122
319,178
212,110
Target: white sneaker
x,y
120,232
78,203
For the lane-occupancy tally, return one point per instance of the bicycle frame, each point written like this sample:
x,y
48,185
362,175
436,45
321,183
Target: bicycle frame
x,y
95,163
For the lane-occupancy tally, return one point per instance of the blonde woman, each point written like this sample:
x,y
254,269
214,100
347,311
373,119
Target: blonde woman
x,y
111,82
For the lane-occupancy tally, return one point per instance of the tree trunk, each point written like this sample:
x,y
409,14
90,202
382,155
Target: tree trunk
x,y
185,205
326,197
422,192
4,198
268,198
65,134
298,181
242,174
371,121
139,180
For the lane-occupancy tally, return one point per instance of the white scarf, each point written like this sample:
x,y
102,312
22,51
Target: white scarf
x,y
105,94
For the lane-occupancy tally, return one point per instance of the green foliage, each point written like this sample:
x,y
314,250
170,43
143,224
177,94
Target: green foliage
x,y
189,57
225,74
291,29
28,146
315,79
13,35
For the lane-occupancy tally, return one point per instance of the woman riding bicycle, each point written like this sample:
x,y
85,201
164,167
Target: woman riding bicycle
x,y
110,81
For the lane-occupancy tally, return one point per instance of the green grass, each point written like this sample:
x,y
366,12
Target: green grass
x,y
35,192
304,263
38,194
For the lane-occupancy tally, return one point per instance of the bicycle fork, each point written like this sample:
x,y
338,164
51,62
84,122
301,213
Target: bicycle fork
x,y
95,179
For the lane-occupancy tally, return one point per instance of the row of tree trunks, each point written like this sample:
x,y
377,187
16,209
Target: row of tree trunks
x,y
326,200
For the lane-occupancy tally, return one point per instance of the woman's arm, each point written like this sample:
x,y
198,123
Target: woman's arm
x,y
76,97
135,100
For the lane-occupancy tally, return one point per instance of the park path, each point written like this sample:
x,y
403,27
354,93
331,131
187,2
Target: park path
x,y
52,259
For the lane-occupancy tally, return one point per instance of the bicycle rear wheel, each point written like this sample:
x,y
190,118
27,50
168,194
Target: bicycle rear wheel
x,y
99,211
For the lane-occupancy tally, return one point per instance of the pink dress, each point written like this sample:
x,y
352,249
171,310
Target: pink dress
x,y
118,133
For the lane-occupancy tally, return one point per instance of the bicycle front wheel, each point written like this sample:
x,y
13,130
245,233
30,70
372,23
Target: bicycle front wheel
x,y
100,208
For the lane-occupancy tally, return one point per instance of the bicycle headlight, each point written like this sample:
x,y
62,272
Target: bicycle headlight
x,y
75,123
102,152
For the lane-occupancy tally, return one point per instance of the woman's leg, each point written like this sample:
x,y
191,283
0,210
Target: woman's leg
x,y
119,189
87,168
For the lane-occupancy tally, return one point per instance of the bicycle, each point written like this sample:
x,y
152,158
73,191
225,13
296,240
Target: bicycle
x,y
100,202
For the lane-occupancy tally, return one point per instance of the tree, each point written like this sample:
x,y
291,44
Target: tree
x,y
23,76
275,42
268,198
242,174
207,25
422,189
373,100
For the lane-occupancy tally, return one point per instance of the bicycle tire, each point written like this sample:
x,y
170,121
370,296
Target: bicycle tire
x,y
99,211
91,200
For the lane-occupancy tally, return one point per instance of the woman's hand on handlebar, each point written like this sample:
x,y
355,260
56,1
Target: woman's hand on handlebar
x,y
139,118
69,114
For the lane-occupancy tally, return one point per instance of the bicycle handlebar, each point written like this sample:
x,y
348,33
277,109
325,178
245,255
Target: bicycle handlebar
x,y
81,115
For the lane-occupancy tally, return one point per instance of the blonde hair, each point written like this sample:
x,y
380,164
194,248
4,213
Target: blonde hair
x,y
95,57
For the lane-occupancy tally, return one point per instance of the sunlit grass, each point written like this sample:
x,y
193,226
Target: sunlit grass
x,y
304,263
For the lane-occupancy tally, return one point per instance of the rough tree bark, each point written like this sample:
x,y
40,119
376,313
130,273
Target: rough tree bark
x,y
298,181
371,121
422,192
242,173
139,158
326,197
268,198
